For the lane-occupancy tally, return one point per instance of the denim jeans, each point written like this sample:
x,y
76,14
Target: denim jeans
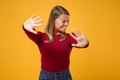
x,y
64,75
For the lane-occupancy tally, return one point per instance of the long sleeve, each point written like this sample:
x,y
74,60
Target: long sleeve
x,y
34,37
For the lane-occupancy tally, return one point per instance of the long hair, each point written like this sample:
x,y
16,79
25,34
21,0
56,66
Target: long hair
x,y
50,28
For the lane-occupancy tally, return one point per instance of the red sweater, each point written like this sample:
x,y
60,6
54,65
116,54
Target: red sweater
x,y
55,56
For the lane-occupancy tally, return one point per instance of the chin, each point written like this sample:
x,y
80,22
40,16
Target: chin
x,y
63,31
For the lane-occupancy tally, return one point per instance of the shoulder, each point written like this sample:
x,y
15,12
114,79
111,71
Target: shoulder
x,y
68,35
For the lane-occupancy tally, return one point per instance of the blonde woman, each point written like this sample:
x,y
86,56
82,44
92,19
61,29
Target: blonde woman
x,y
55,44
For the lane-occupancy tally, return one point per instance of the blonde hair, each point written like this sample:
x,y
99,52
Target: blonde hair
x,y
50,28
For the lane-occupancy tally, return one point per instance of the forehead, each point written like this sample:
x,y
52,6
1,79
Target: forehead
x,y
63,17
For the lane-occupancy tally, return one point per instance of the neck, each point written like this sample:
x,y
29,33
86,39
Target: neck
x,y
59,33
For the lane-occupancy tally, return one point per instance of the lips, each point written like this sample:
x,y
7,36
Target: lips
x,y
64,28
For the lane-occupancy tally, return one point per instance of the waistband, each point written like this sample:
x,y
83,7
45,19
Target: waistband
x,y
55,73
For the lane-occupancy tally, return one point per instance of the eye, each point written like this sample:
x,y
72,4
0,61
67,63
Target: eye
x,y
63,21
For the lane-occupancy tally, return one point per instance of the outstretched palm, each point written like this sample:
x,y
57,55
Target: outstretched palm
x,y
80,38
32,22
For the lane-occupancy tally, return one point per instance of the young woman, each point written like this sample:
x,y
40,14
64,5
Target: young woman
x,y
55,44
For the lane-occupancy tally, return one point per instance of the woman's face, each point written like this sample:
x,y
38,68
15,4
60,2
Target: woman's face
x,y
61,23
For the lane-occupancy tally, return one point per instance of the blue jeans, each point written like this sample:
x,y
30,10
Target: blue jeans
x,y
64,75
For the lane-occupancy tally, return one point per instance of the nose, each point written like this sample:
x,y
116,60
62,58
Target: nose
x,y
66,23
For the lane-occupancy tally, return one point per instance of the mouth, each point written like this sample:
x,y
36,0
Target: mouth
x,y
64,28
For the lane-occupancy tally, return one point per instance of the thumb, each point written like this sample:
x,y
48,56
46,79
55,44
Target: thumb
x,y
74,45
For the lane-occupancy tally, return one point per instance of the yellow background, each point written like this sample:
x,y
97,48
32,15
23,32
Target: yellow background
x,y
20,58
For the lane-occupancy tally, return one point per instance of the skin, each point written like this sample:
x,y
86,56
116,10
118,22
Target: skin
x,y
61,24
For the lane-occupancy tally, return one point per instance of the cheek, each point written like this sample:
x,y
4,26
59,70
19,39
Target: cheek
x,y
58,24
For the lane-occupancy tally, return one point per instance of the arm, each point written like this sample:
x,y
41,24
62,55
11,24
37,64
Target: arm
x,y
28,27
81,39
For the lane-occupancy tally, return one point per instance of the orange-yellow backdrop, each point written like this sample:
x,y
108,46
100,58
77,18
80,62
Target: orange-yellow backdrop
x,y
20,58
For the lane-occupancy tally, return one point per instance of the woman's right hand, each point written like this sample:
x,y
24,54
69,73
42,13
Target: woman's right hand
x,y
32,22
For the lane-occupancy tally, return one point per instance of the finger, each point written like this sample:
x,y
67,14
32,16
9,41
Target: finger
x,y
39,20
83,30
38,24
73,36
74,45
77,32
74,33
33,15
83,33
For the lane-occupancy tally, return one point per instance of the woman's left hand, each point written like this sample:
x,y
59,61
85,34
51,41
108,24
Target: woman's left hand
x,y
81,39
